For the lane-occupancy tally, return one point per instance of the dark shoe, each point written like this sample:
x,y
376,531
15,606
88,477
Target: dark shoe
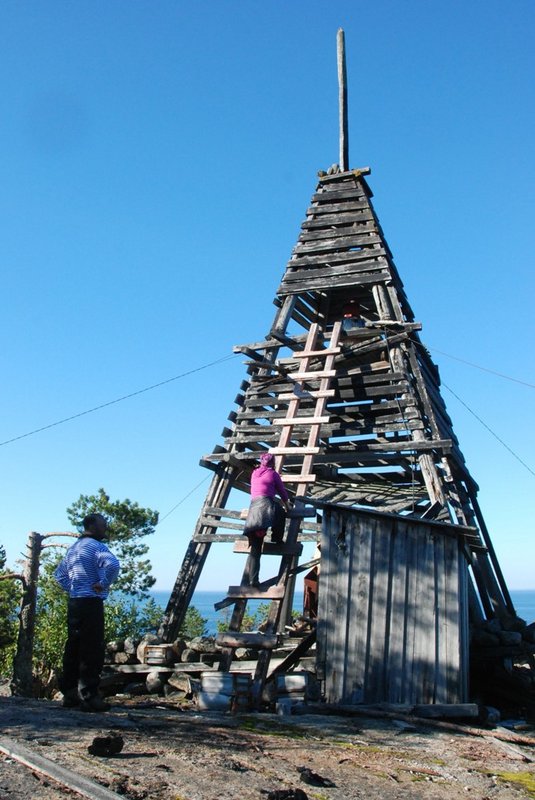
x,y
94,704
71,699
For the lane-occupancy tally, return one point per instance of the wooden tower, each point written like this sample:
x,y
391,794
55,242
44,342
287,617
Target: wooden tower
x,y
351,407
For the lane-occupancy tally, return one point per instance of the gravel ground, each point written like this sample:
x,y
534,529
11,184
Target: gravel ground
x,y
174,754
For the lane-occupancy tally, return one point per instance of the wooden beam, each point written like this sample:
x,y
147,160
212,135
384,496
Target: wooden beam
x,y
66,777
342,97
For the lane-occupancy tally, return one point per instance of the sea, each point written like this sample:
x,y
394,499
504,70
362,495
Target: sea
x,y
523,601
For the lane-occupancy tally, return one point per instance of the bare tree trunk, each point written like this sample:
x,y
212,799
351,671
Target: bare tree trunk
x,y
22,681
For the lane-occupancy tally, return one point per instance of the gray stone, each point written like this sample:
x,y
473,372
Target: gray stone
x,y
154,682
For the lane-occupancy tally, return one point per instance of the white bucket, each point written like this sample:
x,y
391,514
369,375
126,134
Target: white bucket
x,y
213,701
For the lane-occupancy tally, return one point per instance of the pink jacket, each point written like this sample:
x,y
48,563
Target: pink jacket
x,y
265,482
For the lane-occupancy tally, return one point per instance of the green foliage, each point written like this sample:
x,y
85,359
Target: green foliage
x,y
10,591
194,624
251,620
129,524
51,619
123,617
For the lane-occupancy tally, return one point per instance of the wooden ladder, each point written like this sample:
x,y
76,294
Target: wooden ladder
x,y
280,589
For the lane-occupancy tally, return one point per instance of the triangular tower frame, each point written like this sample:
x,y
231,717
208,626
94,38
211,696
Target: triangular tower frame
x,y
354,417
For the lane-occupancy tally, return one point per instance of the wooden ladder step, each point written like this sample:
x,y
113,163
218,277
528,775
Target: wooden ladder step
x,y
247,639
312,394
263,592
301,421
298,478
332,351
294,451
310,376
269,548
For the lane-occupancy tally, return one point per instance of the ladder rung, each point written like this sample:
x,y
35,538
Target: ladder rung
x,y
313,394
332,351
294,451
298,478
309,376
301,421
252,593
245,639
269,548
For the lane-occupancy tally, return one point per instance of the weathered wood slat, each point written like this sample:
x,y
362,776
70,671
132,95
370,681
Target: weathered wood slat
x,y
348,257
317,234
372,262
297,451
212,522
314,394
269,548
72,780
254,640
328,196
331,351
253,593
310,478
337,281
304,536
319,245
315,375
359,213
300,421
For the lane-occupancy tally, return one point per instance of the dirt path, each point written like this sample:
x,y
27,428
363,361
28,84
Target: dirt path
x,y
183,755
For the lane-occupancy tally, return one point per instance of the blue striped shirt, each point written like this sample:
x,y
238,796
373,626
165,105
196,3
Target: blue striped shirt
x,y
87,562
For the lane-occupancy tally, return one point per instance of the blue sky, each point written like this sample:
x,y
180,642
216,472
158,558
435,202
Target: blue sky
x,y
156,162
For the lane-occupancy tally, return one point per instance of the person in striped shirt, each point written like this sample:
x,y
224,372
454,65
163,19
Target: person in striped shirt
x,y
86,573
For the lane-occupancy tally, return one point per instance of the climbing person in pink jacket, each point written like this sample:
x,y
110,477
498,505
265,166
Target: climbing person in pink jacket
x,y
264,512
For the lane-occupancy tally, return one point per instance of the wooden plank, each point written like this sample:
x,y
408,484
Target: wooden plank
x,y
396,659
291,421
309,535
314,394
310,478
379,617
320,373
360,562
370,261
336,194
332,351
358,202
275,592
290,451
350,257
411,615
330,231
72,780
356,216
338,281
269,548
337,243
247,639
211,522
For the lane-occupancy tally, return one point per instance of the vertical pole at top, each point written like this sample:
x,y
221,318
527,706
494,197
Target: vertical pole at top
x,y
342,101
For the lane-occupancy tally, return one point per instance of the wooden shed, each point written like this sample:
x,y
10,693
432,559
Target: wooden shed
x,y
393,611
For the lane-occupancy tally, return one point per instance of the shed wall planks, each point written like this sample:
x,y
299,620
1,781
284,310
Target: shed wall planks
x,y
392,621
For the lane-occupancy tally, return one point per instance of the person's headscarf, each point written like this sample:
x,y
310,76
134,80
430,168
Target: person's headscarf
x,y
266,460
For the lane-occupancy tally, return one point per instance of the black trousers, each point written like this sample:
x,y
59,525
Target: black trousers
x,y
83,658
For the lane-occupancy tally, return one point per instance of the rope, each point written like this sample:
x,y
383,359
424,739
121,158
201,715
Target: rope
x,y
113,402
